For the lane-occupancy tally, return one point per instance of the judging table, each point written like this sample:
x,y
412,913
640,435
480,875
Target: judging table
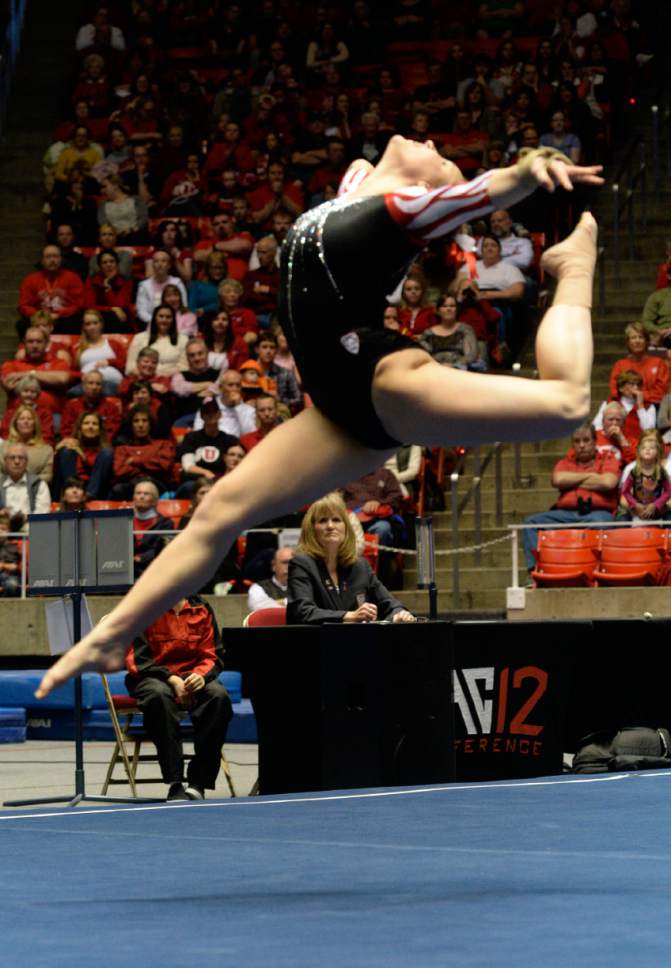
x,y
341,706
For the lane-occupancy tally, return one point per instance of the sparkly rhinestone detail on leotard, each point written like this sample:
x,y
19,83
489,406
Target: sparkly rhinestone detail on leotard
x,y
308,229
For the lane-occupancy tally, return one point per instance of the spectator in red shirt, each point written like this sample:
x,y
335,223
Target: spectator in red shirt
x,y
228,149
226,191
146,369
55,289
110,294
183,190
227,240
267,419
276,193
140,395
654,371
664,269
611,439
55,349
587,482
94,87
329,173
141,455
173,669
27,393
262,285
243,320
416,315
87,455
91,401
53,375
465,145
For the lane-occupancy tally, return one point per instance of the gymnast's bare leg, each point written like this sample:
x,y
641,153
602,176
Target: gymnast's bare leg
x,y
416,399
422,401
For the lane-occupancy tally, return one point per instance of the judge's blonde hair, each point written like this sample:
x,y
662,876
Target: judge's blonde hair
x,y
330,504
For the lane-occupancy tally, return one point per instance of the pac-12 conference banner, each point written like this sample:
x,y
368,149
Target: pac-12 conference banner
x,y
508,693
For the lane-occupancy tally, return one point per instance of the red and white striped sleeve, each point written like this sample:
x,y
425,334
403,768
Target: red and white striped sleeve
x,y
431,214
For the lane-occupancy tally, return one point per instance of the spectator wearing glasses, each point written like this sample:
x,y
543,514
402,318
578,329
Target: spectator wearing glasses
x,y
235,417
20,492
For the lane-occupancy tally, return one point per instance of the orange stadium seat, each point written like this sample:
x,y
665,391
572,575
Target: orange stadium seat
x,y
631,556
567,558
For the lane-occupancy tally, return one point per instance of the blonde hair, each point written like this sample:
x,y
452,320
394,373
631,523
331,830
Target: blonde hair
x,y
232,284
83,341
330,504
42,318
634,328
14,437
646,436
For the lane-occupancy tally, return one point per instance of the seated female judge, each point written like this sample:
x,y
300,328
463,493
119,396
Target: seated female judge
x,y
327,582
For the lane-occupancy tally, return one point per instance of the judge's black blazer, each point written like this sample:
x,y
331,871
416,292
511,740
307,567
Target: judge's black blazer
x,y
312,598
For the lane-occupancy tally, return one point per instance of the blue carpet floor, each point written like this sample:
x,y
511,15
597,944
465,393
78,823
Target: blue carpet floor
x,y
557,872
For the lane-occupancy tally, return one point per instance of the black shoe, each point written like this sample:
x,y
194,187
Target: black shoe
x,y
177,792
195,792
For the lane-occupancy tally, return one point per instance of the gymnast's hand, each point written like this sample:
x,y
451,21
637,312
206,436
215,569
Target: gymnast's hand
x,y
548,168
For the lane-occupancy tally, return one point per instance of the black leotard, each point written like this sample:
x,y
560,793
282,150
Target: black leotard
x,y
339,263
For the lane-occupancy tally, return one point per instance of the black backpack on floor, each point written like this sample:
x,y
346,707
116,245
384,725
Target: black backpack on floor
x,y
630,748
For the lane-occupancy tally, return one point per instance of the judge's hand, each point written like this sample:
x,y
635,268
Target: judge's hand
x,y
403,616
364,613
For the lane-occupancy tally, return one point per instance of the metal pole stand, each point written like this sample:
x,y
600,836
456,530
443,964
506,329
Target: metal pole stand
x,y
74,592
426,562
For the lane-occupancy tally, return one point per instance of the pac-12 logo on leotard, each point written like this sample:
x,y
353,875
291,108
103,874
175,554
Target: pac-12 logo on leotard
x,y
500,711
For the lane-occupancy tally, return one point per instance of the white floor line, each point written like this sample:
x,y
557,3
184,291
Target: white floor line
x,y
288,800
541,853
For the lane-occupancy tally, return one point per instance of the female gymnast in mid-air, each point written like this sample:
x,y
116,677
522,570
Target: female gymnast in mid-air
x,y
373,388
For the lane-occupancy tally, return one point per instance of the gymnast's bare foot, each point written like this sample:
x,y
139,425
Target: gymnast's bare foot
x,y
98,652
576,254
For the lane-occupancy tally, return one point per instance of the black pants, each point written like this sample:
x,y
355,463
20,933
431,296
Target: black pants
x,y
162,715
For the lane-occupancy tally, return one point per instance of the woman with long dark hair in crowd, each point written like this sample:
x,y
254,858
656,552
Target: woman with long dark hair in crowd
x,y
89,457
162,336
140,453
226,350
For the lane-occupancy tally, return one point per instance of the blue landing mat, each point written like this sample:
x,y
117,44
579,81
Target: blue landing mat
x,y
563,872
